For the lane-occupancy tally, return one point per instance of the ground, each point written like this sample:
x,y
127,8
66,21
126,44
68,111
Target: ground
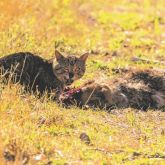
x,y
38,131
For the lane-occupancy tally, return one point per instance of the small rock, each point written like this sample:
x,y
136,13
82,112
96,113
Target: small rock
x,y
85,138
106,53
135,154
115,53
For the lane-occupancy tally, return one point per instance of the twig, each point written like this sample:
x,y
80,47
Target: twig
x,y
90,96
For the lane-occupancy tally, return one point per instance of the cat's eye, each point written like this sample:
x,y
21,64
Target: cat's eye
x,y
60,70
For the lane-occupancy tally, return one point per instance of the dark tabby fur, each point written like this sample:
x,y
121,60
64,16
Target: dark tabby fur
x,y
140,90
38,74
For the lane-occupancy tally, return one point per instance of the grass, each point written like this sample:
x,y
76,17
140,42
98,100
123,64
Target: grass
x,y
40,131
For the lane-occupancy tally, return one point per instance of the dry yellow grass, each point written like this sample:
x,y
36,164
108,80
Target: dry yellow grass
x,y
39,131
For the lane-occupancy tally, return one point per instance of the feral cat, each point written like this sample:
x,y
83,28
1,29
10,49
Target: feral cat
x,y
140,90
38,74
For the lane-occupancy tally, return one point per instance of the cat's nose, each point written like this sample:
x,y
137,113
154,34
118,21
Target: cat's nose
x,y
71,75
71,81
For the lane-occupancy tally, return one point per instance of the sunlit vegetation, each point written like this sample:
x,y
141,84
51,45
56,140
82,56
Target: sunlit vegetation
x,y
39,131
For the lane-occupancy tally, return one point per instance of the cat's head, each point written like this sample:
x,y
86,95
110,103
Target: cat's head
x,y
70,68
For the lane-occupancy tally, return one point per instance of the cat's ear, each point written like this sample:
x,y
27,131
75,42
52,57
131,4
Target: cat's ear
x,y
59,57
84,57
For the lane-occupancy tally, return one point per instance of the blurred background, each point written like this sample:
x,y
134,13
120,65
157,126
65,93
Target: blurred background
x,y
113,31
